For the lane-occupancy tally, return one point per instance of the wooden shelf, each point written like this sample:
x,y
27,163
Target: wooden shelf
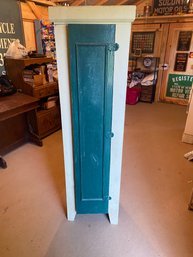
x,y
43,122
24,62
41,91
48,121
147,92
164,19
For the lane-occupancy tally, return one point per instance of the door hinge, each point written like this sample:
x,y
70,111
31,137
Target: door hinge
x,y
113,47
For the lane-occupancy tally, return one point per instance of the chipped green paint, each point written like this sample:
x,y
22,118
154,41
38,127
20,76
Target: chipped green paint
x,y
91,50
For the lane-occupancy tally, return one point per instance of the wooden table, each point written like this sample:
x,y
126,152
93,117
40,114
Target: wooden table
x,y
15,128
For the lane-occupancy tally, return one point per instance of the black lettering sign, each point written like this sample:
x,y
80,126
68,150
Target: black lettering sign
x,y
184,40
181,62
10,27
168,7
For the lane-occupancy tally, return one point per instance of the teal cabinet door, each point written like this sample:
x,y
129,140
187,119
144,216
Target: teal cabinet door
x,y
91,51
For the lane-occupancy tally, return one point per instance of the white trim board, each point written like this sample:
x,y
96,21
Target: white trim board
x,y
118,117
65,105
92,14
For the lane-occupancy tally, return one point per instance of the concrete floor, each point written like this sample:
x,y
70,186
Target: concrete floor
x,y
156,188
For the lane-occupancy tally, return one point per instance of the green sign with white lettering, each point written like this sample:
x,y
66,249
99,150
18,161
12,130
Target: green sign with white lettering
x,y
179,86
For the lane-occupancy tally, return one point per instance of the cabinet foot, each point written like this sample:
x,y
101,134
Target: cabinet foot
x,y
33,137
3,163
36,140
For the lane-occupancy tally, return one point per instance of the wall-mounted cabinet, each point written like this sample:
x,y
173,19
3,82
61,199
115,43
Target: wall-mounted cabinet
x,y
173,45
45,38
177,79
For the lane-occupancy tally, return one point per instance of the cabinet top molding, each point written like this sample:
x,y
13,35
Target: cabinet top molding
x,y
92,14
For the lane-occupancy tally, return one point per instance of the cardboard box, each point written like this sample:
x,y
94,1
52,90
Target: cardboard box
x,y
38,80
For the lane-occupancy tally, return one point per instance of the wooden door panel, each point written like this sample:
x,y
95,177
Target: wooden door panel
x,y
91,104
91,75
160,42
170,59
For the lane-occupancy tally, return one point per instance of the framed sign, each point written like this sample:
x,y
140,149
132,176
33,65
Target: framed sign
x,y
165,7
10,26
143,41
181,62
184,40
179,86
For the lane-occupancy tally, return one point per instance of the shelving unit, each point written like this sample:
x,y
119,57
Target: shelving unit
x,y
44,122
147,66
45,38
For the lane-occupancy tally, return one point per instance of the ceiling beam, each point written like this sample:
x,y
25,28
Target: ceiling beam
x,y
139,2
43,2
120,2
77,2
129,2
60,1
34,9
101,2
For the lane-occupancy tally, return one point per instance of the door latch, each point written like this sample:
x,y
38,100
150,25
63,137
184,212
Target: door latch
x,y
109,135
164,66
108,197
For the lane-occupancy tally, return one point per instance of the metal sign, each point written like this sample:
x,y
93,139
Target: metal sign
x,y
184,40
181,62
10,26
143,41
168,7
179,86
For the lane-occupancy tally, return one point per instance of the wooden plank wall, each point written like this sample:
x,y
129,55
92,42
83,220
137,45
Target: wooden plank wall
x,y
31,11
141,4
29,14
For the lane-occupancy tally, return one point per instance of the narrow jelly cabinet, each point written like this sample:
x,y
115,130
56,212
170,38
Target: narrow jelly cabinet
x,y
92,47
